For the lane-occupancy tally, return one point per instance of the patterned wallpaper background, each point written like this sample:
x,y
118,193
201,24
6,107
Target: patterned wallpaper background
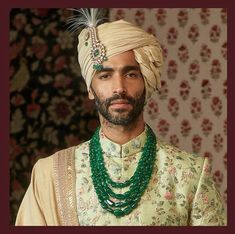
x,y
190,111
50,110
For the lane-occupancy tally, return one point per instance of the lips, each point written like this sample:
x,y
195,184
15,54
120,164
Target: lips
x,y
120,104
120,101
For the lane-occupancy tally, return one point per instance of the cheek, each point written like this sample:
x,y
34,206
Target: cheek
x,y
137,87
143,85
98,92
103,93
103,90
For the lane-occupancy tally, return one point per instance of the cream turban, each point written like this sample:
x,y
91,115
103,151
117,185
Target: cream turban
x,y
118,37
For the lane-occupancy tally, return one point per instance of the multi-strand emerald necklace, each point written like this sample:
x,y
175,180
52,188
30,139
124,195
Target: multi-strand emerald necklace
x,y
117,203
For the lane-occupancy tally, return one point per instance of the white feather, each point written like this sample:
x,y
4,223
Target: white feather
x,y
86,17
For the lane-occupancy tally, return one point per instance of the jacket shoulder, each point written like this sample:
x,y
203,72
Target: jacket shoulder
x,y
47,164
179,157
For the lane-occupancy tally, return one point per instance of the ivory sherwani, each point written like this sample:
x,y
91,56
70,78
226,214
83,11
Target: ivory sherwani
x,y
181,191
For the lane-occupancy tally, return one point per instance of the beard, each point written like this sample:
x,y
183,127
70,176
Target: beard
x,y
122,116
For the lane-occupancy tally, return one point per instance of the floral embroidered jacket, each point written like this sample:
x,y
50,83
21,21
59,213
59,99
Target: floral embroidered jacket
x,y
181,191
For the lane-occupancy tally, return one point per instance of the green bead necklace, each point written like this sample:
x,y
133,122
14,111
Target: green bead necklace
x,y
126,202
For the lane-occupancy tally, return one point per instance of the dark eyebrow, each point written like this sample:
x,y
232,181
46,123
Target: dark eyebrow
x,y
130,68
124,69
105,69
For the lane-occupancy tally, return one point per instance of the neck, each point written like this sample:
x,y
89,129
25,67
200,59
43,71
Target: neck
x,y
122,134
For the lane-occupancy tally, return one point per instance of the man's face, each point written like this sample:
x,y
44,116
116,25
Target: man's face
x,y
118,89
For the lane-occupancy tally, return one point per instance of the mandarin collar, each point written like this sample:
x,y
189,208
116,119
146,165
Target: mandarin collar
x,y
133,146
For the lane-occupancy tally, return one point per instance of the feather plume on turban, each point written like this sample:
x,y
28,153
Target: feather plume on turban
x,y
118,37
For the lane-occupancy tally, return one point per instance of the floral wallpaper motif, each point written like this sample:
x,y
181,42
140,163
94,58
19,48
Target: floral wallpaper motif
x,y
49,107
190,110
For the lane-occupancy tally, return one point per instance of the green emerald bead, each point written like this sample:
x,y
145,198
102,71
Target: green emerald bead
x,y
99,67
118,213
119,204
127,210
109,209
96,67
96,52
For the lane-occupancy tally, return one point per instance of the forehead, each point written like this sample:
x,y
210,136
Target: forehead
x,y
121,60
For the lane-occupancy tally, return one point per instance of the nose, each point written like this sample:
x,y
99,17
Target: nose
x,y
119,84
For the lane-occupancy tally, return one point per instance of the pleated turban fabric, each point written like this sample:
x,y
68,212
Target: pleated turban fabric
x,y
118,37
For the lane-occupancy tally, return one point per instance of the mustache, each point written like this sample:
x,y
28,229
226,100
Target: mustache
x,y
119,96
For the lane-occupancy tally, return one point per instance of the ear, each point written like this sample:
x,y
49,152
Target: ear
x,y
90,94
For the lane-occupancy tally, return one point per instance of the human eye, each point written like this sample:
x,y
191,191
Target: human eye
x,y
104,76
133,75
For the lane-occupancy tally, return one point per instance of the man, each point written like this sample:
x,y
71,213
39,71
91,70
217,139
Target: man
x,y
124,175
